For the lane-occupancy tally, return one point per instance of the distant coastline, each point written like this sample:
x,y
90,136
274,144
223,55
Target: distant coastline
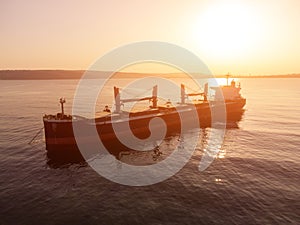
x,y
77,74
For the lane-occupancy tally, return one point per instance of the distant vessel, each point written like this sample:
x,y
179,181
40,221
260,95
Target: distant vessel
x,y
59,134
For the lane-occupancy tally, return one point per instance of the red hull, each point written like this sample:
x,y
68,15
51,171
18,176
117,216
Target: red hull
x,y
60,135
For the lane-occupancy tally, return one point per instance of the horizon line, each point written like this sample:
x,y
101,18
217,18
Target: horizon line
x,y
165,73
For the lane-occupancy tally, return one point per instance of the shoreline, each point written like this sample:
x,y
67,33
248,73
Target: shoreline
x,y
77,74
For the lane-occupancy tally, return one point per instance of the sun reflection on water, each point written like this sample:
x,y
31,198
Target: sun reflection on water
x,y
221,154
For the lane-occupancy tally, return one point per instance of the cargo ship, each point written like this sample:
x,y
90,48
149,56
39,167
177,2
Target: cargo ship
x,y
59,132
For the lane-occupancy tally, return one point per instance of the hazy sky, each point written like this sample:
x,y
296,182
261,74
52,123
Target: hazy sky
x,y
241,37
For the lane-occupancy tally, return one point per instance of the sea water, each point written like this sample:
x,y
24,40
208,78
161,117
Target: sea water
x,y
253,180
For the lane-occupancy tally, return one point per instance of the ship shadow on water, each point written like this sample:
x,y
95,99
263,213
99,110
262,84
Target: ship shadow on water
x,y
70,156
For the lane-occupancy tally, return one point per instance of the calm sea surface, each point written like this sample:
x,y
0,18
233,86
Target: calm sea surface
x,y
254,180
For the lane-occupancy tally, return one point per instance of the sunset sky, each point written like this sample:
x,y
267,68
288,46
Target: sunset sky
x,y
241,37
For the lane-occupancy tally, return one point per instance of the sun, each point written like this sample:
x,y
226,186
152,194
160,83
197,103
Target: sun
x,y
226,30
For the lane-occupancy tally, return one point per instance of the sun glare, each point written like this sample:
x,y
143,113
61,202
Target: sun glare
x,y
226,30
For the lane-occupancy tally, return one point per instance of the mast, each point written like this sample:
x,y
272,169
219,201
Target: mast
x,y
182,94
117,99
227,77
154,97
205,91
62,101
